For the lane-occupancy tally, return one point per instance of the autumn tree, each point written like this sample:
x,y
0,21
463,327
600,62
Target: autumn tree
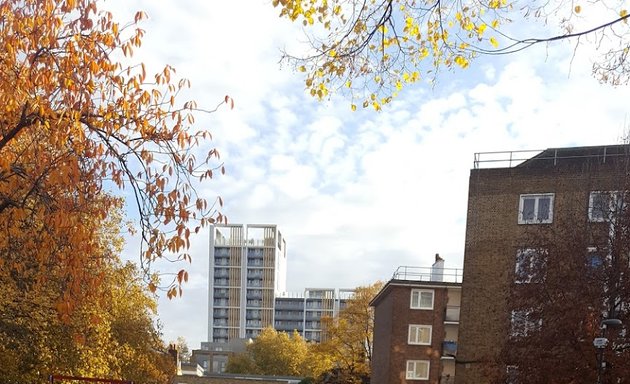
x,y
110,331
75,122
568,279
278,353
349,337
373,49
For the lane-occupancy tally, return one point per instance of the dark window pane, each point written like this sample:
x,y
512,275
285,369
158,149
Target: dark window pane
x,y
544,205
528,209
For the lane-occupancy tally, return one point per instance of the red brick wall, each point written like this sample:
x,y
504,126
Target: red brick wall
x,y
391,349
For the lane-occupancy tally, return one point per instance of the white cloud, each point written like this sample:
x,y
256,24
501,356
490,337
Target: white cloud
x,y
358,194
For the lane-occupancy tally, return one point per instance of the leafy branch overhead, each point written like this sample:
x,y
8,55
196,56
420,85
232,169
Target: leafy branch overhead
x,y
372,49
75,123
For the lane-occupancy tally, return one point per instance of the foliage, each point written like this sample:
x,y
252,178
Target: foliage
x,y
577,276
110,331
75,122
278,353
372,49
349,337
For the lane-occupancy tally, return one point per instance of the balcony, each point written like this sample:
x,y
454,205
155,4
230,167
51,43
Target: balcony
x,y
289,304
254,294
221,282
221,261
220,302
449,348
452,313
220,313
253,323
288,326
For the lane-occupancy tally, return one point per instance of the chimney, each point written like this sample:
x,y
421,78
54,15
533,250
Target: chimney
x,y
437,269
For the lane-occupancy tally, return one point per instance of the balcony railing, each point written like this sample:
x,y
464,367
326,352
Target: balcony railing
x,y
447,275
449,348
452,313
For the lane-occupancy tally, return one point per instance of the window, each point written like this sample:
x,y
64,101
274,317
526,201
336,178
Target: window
x,y
511,374
421,299
419,334
525,322
536,209
604,205
417,370
530,265
594,258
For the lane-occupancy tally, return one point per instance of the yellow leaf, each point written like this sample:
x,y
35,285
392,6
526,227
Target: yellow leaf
x,y
353,107
494,42
623,13
577,9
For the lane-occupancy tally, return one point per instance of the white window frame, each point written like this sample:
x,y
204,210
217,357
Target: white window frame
x,y
531,257
614,200
415,332
537,197
419,293
411,372
524,322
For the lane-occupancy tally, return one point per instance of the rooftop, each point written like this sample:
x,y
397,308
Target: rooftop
x,y
550,157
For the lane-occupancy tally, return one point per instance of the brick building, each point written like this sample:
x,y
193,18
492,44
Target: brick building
x,y
416,320
554,190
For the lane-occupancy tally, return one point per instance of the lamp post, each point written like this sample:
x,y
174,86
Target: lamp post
x,y
600,344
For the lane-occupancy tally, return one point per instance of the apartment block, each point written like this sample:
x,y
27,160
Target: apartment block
x,y
513,195
304,312
247,269
416,326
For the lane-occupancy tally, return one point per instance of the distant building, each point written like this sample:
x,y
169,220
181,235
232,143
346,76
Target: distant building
x,y
247,293
416,326
247,269
303,313
512,194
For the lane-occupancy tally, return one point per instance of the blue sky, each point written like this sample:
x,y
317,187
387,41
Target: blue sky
x,y
356,194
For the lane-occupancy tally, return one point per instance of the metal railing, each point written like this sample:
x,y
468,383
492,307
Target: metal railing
x,y
504,159
509,159
429,274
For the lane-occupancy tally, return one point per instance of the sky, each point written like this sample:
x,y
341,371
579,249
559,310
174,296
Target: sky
x,y
355,194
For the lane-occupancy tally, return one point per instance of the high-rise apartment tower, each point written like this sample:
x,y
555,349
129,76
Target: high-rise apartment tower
x,y
247,270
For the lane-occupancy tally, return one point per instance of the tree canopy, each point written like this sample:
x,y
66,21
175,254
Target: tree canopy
x,y
110,332
278,353
372,49
74,123
349,336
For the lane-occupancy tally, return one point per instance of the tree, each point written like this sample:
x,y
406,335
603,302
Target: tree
x,y
372,49
182,349
110,331
75,122
349,337
278,353
567,281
